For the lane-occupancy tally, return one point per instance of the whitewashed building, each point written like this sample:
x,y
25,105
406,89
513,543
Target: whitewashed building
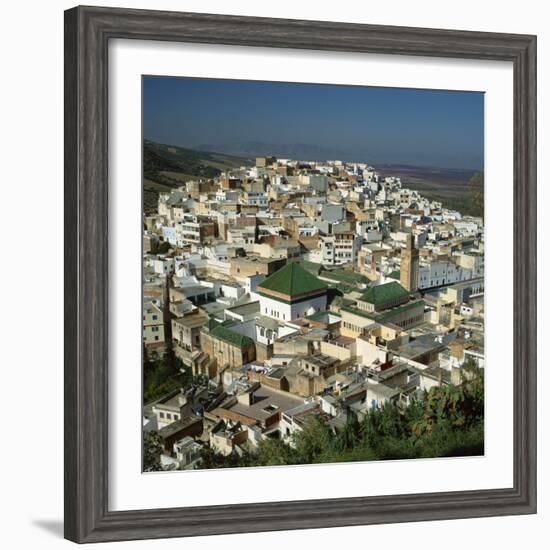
x,y
292,293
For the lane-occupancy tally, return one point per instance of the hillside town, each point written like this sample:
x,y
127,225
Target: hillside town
x,y
289,290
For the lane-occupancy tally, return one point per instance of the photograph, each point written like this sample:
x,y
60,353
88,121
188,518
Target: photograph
x,y
279,244
313,273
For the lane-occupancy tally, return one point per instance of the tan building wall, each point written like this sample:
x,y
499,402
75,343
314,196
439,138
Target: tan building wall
x,y
368,353
335,351
226,354
186,333
263,352
293,347
244,267
225,445
409,318
306,386
353,325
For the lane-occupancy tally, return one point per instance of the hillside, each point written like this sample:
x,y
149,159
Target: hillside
x,y
452,187
169,166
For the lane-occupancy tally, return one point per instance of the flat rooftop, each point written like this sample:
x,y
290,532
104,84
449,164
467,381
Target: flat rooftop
x,y
246,309
267,322
320,360
266,402
178,425
191,320
213,308
343,341
255,259
419,346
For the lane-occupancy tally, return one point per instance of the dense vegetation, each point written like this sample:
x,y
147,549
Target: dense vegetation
x,y
152,449
447,421
163,375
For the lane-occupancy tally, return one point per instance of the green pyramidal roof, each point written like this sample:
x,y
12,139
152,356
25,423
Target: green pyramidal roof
x,y
384,293
292,280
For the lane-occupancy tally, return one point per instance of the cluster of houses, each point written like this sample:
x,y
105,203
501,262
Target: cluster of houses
x,y
291,289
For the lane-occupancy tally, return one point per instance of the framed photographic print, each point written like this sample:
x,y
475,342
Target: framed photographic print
x,y
300,278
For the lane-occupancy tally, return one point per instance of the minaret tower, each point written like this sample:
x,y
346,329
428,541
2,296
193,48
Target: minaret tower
x,y
409,265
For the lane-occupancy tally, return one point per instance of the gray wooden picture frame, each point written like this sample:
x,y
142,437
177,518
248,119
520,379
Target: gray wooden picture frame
x,y
87,34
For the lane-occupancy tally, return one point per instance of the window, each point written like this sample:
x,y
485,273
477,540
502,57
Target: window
x,y
154,317
161,415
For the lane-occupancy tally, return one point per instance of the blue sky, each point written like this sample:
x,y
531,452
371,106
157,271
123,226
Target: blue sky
x,y
376,125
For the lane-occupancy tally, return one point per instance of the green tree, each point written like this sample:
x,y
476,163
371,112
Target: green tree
x,y
414,414
152,449
163,376
314,442
350,436
390,422
445,421
274,452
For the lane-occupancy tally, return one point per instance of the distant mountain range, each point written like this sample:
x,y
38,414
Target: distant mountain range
x,y
299,151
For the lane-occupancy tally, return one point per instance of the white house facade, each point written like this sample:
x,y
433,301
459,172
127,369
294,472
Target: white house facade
x,y
292,293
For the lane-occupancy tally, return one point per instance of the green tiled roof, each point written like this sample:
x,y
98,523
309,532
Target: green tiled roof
x,y
234,338
383,315
321,314
211,324
340,301
292,280
343,276
342,288
311,267
381,294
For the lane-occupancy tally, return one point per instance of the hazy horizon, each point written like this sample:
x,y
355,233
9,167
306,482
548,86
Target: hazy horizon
x,y
385,126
